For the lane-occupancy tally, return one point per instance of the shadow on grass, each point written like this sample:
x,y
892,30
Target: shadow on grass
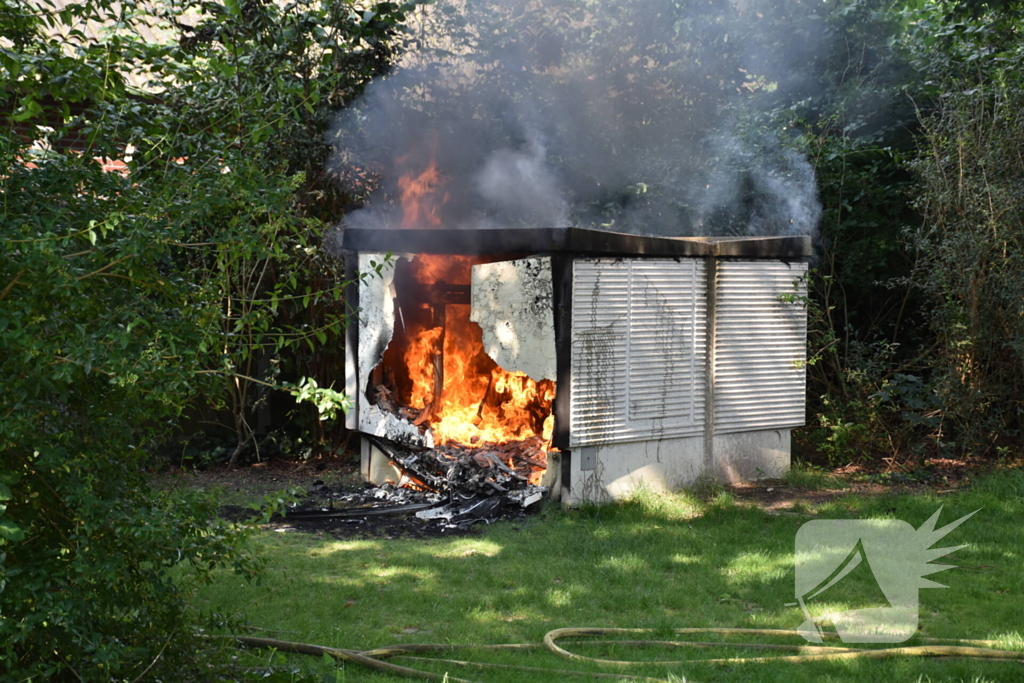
x,y
658,562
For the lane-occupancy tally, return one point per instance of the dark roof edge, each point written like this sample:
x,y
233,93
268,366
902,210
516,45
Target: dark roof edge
x,y
581,241
783,247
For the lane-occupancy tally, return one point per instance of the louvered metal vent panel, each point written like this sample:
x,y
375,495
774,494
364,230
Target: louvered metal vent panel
x,y
760,346
639,329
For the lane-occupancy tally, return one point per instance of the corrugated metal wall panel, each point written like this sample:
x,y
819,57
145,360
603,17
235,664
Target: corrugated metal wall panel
x,y
639,329
760,346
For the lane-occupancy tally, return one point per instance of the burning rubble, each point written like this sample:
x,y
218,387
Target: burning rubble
x,y
459,472
489,428
465,428
448,487
417,512
436,374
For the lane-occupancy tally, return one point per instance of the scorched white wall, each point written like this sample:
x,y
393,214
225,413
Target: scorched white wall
x,y
657,399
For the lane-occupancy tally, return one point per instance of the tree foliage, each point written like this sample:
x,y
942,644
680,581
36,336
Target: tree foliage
x,y
970,243
915,86
126,295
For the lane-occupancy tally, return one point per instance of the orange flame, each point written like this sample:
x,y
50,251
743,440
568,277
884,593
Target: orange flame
x,y
478,402
421,192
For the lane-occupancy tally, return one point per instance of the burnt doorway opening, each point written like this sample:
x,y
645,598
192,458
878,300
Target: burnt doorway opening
x,y
437,374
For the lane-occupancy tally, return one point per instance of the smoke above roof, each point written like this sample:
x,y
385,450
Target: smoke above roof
x,y
641,116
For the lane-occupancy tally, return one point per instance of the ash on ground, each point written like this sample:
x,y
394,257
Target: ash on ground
x,y
445,491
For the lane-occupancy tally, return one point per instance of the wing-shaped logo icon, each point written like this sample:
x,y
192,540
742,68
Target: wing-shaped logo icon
x,y
886,556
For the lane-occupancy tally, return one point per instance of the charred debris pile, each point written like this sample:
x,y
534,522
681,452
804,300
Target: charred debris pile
x,y
446,487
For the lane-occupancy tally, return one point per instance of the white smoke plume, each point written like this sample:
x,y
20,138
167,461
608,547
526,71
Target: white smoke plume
x,y
519,184
627,115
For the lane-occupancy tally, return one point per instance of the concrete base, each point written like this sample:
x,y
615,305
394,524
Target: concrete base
x,y
746,456
600,474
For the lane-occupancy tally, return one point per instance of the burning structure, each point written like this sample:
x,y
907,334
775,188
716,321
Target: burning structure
x,y
499,354
585,361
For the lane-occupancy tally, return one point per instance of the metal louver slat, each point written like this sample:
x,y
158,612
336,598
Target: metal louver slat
x,y
760,346
639,330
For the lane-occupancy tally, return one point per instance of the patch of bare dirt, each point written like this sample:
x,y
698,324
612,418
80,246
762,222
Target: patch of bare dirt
x,y
251,483
773,495
936,475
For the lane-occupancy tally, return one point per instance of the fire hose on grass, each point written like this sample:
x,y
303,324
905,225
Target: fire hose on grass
x,y
374,659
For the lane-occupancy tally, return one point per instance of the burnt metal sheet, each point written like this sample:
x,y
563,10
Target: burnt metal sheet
x,y
376,311
760,346
352,341
512,303
377,422
638,362
376,328
581,241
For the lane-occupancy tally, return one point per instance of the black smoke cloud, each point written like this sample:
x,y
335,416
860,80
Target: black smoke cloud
x,y
642,116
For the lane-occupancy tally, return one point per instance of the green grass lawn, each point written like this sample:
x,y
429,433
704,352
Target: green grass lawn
x,y
655,562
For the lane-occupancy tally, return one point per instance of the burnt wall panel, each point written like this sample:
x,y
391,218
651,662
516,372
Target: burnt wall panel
x,y
352,339
638,336
760,345
376,329
376,311
561,280
512,303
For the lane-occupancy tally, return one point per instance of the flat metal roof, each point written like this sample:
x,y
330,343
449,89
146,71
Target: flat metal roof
x,y
570,240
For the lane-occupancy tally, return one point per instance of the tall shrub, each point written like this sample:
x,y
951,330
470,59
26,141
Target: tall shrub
x,y
971,254
126,295
98,350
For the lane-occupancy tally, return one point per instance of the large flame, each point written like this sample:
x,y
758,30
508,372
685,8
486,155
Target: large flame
x,y
478,402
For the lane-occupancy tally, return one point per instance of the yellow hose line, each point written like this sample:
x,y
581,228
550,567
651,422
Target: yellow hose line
x,y
343,655
935,647
808,653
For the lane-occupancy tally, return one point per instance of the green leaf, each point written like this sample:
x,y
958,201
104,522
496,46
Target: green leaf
x,y
10,531
5,492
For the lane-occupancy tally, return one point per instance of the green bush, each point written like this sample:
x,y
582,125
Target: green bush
x,y
126,298
971,250
970,245
99,352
